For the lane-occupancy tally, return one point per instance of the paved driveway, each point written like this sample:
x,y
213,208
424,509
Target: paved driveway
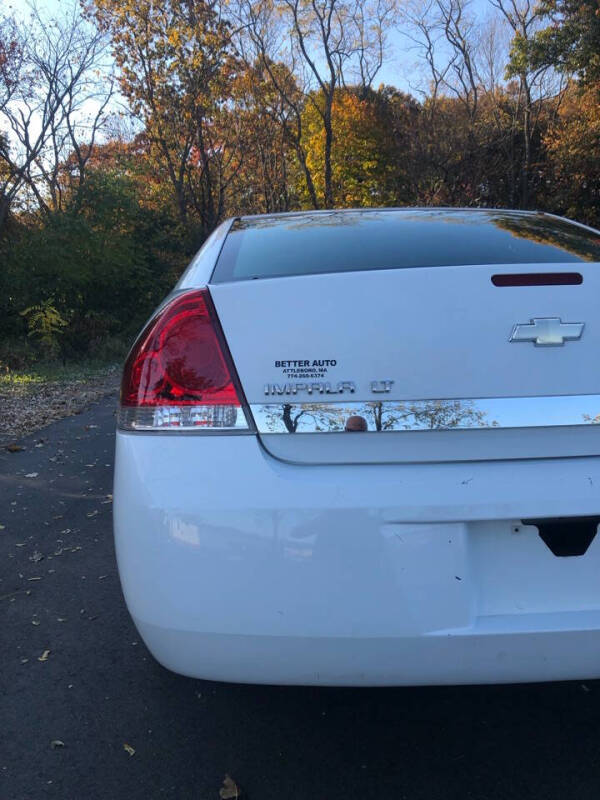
x,y
73,670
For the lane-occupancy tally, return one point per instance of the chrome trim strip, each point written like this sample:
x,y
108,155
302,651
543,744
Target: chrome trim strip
x,y
428,415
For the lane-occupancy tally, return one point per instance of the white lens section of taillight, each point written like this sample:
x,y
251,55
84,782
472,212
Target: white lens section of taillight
x,y
183,418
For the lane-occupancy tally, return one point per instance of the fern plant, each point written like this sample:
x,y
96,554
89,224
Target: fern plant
x,y
45,323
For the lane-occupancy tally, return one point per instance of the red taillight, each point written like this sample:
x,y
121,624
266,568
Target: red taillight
x,y
179,373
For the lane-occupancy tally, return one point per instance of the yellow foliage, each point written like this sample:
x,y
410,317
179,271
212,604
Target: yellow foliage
x,y
365,171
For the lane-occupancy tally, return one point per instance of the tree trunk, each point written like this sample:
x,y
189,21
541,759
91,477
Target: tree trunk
x,y
527,145
308,178
328,196
4,205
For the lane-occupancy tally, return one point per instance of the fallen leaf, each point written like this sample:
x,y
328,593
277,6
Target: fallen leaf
x,y
34,579
56,743
44,656
129,749
14,448
230,790
2,527
35,622
32,474
37,556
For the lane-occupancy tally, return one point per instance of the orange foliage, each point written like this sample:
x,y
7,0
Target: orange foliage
x,y
573,151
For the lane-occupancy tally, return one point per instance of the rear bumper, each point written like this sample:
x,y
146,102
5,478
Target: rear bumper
x,y
236,566
471,657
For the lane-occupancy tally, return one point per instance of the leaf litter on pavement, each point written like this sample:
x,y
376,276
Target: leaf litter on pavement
x,y
229,790
29,406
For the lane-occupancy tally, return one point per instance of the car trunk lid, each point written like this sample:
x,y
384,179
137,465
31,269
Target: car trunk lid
x,y
424,356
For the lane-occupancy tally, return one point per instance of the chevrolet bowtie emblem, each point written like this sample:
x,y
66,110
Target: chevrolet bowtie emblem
x,y
547,331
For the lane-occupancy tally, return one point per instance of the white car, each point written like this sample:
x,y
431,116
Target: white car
x,y
360,448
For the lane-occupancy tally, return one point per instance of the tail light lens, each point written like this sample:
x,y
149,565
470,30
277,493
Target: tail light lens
x,y
179,374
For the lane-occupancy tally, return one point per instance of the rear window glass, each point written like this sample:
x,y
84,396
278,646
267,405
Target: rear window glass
x,y
346,241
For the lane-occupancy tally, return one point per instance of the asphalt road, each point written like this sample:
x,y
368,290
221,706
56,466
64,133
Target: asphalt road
x,y
98,689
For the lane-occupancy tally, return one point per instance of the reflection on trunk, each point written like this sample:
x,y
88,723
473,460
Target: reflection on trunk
x,y
381,416
320,416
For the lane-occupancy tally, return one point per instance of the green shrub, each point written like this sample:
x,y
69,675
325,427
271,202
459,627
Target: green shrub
x,y
90,274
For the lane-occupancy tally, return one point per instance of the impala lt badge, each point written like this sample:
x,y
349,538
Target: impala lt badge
x,y
381,386
316,387
547,331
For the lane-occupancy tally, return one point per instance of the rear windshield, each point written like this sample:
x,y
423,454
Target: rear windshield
x,y
346,241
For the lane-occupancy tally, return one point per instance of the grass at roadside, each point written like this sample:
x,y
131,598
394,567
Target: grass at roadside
x,y
28,379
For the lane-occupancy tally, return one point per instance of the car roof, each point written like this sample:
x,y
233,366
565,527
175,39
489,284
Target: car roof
x,y
416,213
413,211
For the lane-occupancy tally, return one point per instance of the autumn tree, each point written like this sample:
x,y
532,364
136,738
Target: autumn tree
x,y
262,182
52,101
572,143
535,82
366,167
446,38
461,35
325,44
485,107
11,59
284,99
11,55
176,65
327,37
